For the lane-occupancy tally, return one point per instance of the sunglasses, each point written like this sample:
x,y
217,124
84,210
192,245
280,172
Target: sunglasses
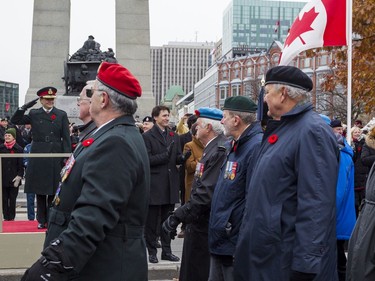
x,y
89,93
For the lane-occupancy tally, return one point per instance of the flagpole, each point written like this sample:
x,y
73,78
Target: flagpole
x,y
349,13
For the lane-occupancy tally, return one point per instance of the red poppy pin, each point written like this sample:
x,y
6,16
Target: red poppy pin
x,y
272,139
88,142
171,134
53,117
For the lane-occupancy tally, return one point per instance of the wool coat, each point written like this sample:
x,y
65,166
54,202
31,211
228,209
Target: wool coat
x,y
195,212
101,209
361,249
50,134
165,183
289,222
196,148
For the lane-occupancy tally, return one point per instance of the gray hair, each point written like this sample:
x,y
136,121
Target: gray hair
x,y
120,103
299,95
217,127
246,117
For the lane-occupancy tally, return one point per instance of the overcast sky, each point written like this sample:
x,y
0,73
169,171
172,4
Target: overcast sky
x,y
170,20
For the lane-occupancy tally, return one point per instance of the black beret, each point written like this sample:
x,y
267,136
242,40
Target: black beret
x,y
240,103
336,123
289,75
147,119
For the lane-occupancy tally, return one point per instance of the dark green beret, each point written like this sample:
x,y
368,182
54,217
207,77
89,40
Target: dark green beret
x,y
289,75
240,103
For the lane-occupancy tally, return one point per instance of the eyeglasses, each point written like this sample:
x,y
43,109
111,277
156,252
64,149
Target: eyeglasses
x,y
82,99
90,92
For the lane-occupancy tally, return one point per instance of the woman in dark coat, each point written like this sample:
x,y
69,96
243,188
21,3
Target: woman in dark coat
x,y
361,251
12,173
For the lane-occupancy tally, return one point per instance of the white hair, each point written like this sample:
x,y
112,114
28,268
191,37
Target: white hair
x,y
217,127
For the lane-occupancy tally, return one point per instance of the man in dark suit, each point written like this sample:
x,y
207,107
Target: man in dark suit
x,y
164,152
50,134
96,227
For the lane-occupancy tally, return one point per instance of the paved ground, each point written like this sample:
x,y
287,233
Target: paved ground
x,y
164,270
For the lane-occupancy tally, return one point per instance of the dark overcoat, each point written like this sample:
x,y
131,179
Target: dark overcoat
x,y
50,134
11,167
165,183
195,212
290,218
103,205
361,251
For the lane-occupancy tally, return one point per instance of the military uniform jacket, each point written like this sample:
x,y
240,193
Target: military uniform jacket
x,y
228,201
50,134
101,210
165,183
289,221
197,210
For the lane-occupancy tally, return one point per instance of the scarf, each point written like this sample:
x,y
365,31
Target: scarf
x,y
9,145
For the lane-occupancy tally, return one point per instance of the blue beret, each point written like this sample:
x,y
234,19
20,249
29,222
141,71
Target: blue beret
x,y
210,113
289,75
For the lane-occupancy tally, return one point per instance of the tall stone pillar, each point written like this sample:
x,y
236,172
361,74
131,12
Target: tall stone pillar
x,y
49,50
133,47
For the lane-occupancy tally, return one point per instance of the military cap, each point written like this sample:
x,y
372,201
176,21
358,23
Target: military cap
x,y
210,113
147,119
240,103
336,123
289,75
47,92
3,119
119,79
11,131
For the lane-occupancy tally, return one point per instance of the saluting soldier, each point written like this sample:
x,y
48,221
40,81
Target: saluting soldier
x,y
50,134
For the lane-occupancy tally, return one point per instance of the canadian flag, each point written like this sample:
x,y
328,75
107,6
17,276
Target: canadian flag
x,y
320,23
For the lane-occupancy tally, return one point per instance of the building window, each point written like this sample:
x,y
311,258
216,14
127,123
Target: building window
x,y
223,93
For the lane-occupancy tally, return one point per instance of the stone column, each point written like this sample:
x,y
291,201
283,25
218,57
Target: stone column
x,y
49,50
133,47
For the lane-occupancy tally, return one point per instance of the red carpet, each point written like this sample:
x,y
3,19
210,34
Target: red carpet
x,y
21,226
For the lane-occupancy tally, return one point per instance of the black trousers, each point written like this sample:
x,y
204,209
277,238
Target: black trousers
x,y
153,226
9,202
195,262
43,203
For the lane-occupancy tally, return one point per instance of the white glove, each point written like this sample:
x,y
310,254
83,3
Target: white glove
x,y
16,181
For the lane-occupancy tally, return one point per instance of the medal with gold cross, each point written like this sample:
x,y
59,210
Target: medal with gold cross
x,y
67,168
56,199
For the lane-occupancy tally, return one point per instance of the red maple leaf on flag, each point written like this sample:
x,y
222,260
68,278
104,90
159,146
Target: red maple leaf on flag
x,y
301,26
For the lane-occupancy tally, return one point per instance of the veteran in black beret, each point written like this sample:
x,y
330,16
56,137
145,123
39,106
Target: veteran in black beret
x,y
291,196
50,134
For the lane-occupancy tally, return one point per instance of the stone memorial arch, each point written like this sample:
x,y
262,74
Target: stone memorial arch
x,y
50,48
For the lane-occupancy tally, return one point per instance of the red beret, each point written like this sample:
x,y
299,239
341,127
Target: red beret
x,y
47,92
119,79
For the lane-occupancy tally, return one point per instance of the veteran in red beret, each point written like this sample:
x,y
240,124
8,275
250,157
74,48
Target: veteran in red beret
x,y
96,226
50,134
